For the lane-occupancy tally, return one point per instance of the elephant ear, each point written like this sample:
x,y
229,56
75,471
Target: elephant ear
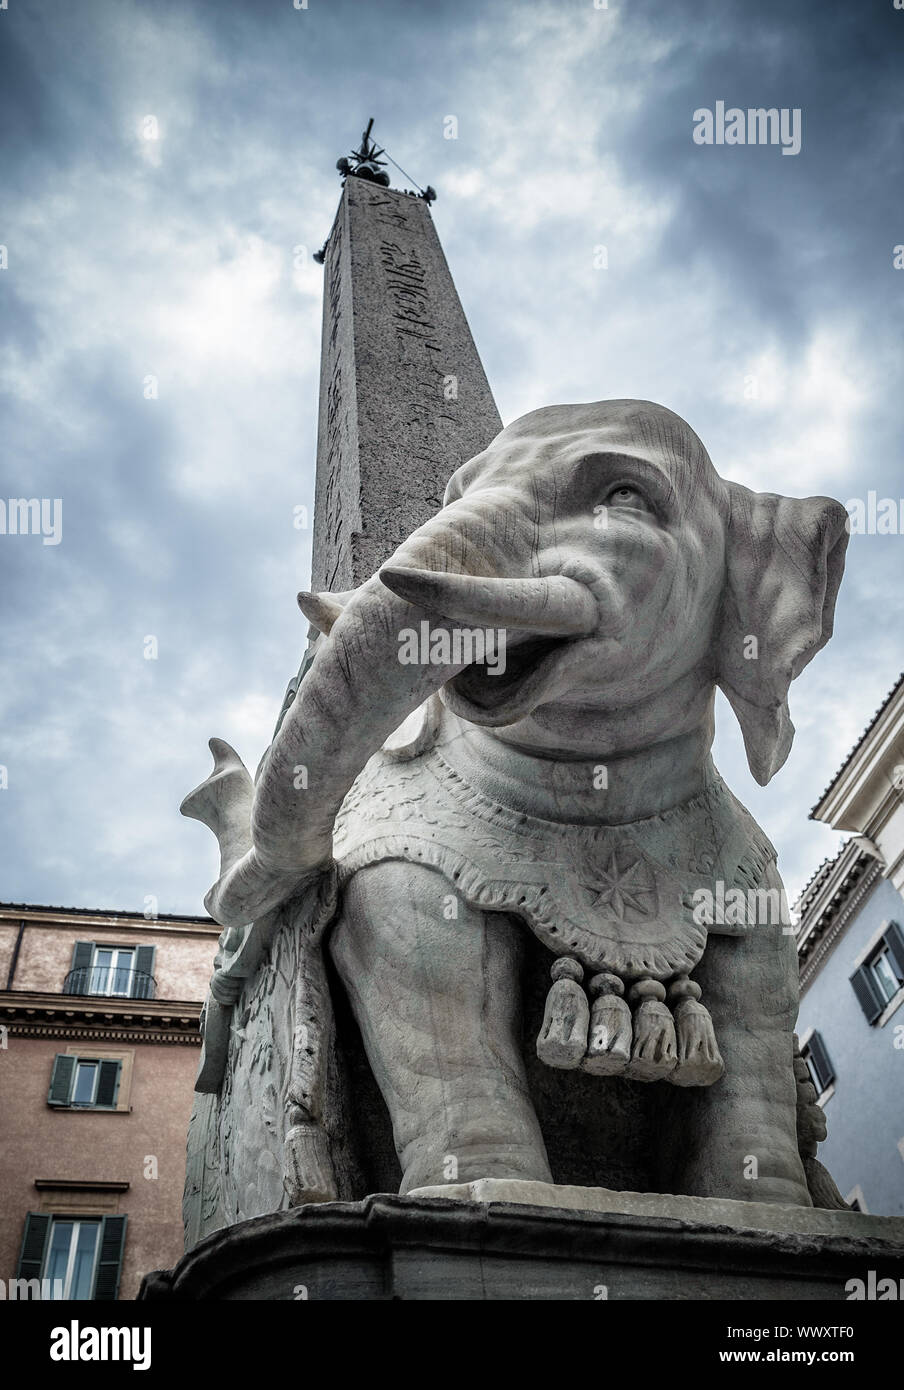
x,y
784,562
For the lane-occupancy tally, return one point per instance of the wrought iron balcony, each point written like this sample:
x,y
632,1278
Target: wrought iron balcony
x,y
110,981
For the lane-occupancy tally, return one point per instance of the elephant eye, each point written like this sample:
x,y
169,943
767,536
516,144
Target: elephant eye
x,y
626,495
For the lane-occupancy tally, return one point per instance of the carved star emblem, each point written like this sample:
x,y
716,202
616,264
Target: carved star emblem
x,y
623,886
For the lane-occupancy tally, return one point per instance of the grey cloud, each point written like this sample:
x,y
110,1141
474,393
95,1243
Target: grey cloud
x,y
177,260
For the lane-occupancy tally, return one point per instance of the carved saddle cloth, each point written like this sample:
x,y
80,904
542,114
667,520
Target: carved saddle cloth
x,y
619,898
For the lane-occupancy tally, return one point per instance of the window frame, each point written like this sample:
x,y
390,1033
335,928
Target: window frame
x,y
884,953
77,1058
109,1250
79,1063
113,970
76,1222
870,986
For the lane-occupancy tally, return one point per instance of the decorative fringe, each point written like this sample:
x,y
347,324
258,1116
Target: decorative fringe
x,y
663,1042
699,1060
563,1037
309,1173
609,1051
654,1054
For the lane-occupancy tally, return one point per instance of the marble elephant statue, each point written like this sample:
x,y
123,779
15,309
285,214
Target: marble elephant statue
x,y
504,738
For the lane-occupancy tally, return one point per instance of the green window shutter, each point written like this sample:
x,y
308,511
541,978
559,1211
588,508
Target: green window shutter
x,y
867,991
109,1264
61,1080
34,1244
142,983
107,1083
80,970
895,939
825,1072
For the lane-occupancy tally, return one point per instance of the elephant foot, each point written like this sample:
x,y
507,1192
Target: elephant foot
x,y
508,1157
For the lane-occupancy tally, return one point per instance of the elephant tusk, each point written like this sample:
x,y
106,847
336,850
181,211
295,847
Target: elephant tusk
x,y
322,610
357,693
555,606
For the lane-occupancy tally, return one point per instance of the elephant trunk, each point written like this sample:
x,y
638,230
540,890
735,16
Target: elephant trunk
x,y
358,691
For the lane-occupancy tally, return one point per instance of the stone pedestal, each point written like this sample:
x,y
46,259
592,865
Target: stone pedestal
x,y
496,1240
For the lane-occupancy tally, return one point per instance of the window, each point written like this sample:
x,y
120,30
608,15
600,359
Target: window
x,y
71,1256
90,1082
78,1257
111,971
121,972
85,1087
881,976
814,1053
884,973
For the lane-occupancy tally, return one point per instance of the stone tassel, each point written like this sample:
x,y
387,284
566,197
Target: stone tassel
x,y
563,1038
610,1028
309,1173
654,1054
699,1060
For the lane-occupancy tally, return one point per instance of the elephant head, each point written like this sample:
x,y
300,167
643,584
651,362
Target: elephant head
x,y
629,580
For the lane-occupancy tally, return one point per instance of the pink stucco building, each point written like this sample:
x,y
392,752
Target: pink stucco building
x,y
98,1052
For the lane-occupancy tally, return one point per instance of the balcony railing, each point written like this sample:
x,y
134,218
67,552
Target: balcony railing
x,y
111,981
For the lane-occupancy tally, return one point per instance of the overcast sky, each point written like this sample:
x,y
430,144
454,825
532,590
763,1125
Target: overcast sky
x,y
172,257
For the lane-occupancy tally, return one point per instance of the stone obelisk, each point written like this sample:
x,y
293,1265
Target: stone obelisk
x,y
403,396
404,401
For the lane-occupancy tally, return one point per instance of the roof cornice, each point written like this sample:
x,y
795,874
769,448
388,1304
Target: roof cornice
x,y
34,1013
836,900
880,737
81,919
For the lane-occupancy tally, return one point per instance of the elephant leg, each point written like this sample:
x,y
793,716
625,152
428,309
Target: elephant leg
x,y
433,985
738,1138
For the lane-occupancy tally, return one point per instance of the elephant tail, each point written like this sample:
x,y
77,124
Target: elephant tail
x,y
811,1131
223,803
822,1187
